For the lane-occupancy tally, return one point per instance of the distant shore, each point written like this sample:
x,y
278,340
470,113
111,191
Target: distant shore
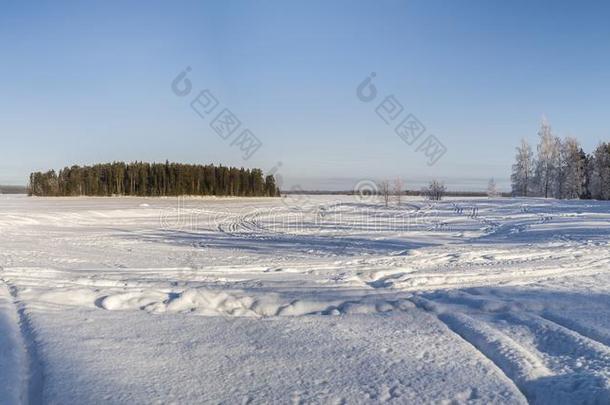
x,y
13,190
407,193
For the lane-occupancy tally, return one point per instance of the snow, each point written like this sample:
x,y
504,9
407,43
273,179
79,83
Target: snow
x,y
311,299
12,354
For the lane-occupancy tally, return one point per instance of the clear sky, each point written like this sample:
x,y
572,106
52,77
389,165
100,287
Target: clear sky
x,y
87,82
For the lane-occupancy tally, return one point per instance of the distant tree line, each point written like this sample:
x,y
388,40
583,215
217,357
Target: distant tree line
x,y
12,189
152,179
560,168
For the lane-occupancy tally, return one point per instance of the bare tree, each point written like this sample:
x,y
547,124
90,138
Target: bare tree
x,y
398,190
523,170
492,189
434,191
384,190
547,163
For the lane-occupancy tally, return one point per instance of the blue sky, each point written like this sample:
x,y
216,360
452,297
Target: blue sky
x,y
87,82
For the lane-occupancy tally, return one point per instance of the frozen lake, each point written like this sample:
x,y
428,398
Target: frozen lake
x,y
309,299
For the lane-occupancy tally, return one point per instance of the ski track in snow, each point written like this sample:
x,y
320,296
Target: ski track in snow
x,y
515,289
19,352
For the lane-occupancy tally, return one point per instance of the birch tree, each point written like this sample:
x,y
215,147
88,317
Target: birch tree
x,y
523,169
398,190
547,159
492,189
384,190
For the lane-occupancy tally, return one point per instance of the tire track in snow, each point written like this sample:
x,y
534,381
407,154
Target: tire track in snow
x,y
575,327
32,377
555,364
493,273
508,357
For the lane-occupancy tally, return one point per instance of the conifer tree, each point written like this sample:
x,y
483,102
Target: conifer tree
x,y
156,179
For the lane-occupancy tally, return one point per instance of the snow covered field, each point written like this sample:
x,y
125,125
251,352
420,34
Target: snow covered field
x,y
319,299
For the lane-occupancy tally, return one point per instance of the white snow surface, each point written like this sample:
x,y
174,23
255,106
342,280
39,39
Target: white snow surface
x,y
304,299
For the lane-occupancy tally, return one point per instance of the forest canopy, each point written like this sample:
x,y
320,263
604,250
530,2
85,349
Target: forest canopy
x,y
153,179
